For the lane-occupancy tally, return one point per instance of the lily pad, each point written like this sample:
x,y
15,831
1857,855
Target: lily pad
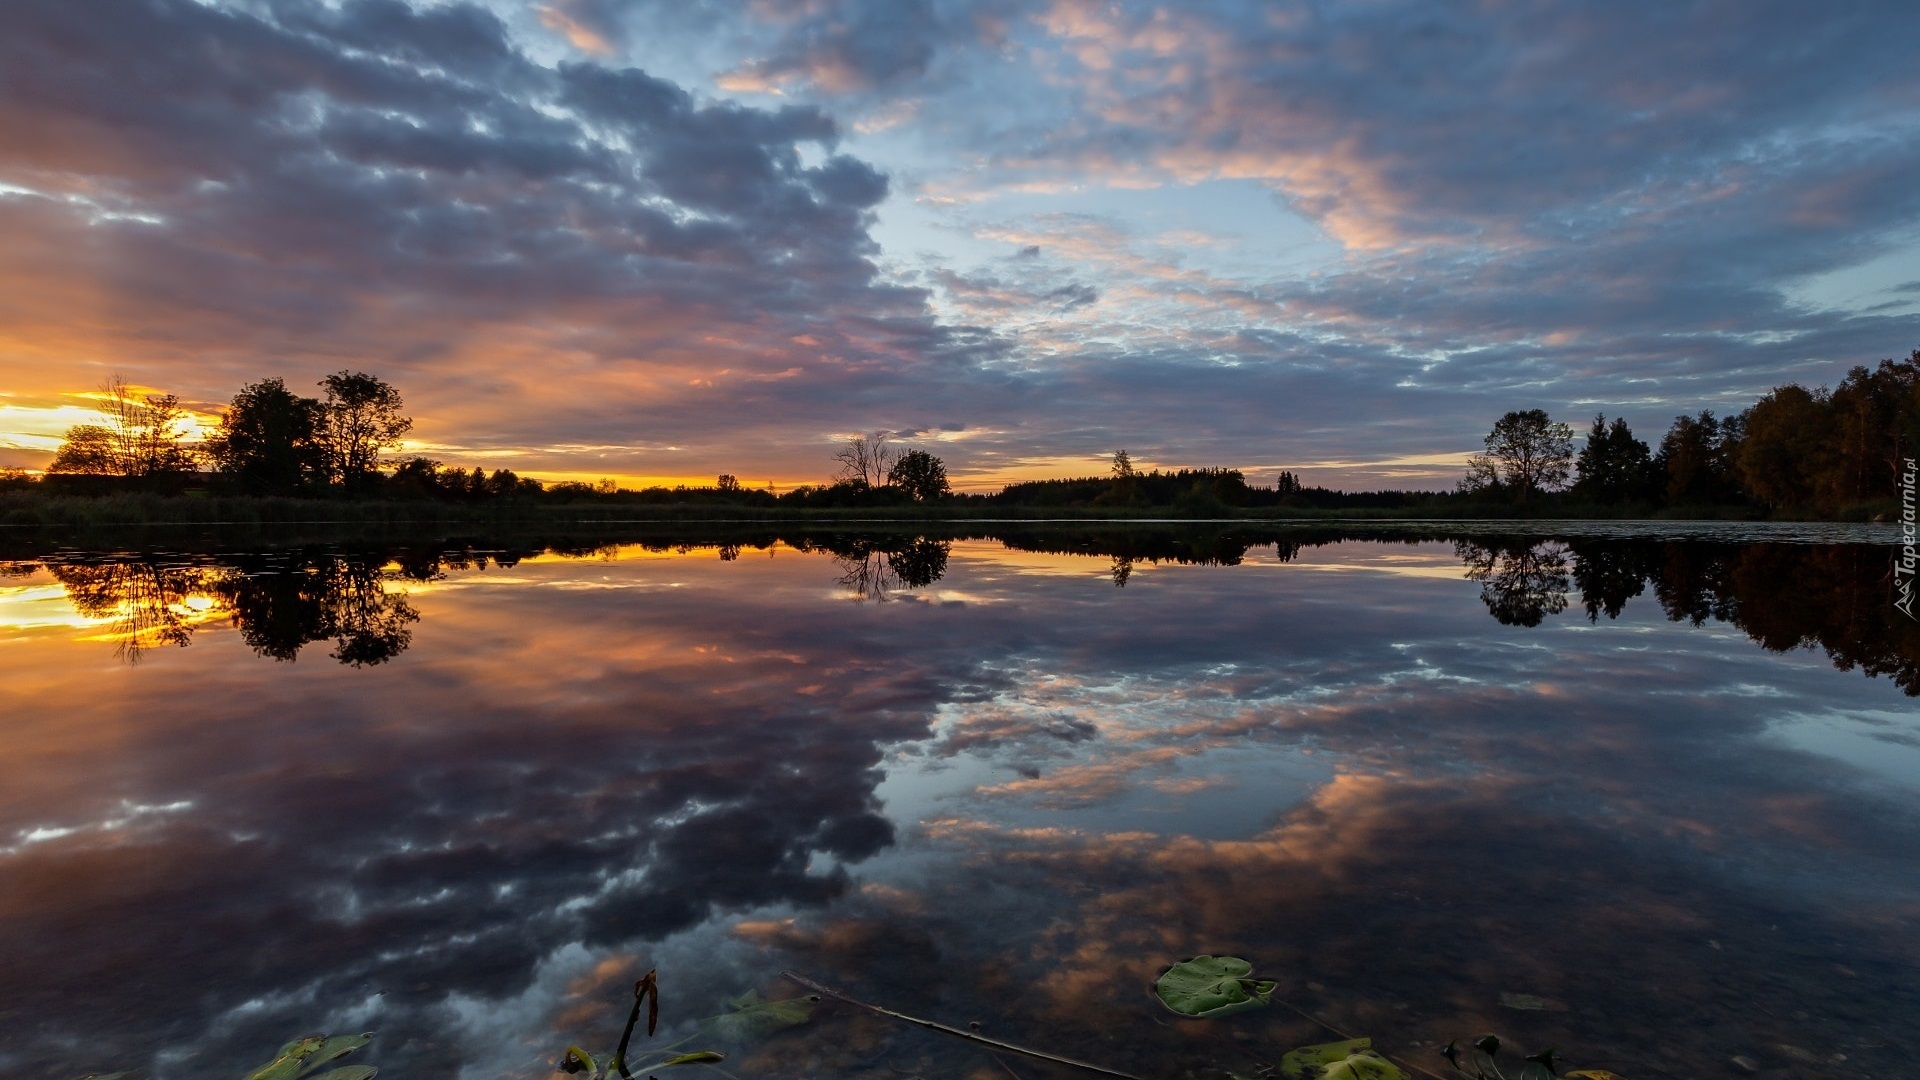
x,y
292,1057
348,1072
1353,1059
302,1056
1212,986
337,1047
753,1018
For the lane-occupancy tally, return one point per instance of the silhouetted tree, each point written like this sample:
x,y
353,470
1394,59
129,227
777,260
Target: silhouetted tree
x,y
88,450
728,483
920,475
1613,467
1781,460
1876,418
1527,453
269,440
361,421
865,460
1697,456
140,436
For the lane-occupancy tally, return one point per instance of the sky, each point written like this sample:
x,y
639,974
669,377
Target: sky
x,y
658,240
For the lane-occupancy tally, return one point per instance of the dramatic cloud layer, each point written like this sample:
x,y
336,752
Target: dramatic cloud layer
x,y
647,239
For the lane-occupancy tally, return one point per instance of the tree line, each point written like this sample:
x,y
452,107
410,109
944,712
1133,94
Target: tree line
x,y
274,442
1821,452
1795,452
271,441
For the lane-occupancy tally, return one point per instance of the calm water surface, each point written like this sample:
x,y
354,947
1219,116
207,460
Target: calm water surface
x,y
1664,794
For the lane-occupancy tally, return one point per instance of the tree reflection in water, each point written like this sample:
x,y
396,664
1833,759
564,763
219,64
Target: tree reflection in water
x,y
1521,583
1835,597
875,567
279,603
1783,596
147,603
596,798
280,611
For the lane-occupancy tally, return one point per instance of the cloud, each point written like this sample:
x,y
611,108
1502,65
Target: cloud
x,y
843,47
1355,234
196,190
590,765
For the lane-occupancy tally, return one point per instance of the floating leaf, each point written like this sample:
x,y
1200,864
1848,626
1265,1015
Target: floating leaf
x,y
1211,986
348,1072
291,1059
576,1060
753,1018
335,1048
1488,1045
1353,1059
698,1057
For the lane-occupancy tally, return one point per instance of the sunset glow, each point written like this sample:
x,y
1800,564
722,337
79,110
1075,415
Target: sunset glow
x,y
655,242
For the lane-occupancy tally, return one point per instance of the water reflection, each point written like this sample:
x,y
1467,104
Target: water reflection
x,y
1837,598
280,603
877,567
1521,581
1009,804
1784,596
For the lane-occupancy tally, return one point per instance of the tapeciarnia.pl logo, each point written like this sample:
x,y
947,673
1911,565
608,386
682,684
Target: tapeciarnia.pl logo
x,y
1903,567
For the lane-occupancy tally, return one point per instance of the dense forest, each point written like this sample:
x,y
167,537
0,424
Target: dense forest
x,y
1838,453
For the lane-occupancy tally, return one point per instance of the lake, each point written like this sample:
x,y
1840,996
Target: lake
x,y
1646,793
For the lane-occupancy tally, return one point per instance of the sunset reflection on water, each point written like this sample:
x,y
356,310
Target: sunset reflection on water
x,y
463,797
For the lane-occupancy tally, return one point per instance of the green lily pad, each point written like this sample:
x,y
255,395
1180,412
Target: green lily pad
x,y
302,1056
753,1018
291,1059
334,1048
1353,1059
348,1072
1212,986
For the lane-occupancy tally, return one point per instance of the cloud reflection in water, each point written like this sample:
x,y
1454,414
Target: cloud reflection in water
x,y
1009,801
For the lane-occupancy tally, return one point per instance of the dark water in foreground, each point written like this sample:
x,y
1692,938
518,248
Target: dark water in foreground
x,y
1664,794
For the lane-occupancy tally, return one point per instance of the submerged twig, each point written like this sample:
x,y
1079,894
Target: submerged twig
x,y
958,1033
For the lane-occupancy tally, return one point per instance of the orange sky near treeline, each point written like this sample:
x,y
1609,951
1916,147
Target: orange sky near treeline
x,y
32,425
